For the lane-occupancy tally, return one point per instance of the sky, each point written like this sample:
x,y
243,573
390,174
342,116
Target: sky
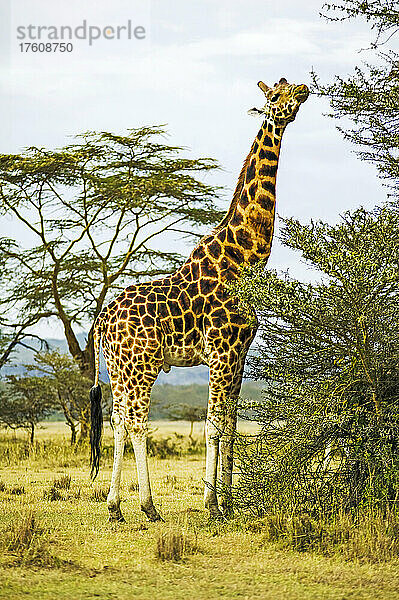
x,y
196,72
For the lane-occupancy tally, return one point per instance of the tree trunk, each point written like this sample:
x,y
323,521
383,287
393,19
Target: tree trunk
x,y
32,433
84,431
191,429
73,434
84,358
72,340
68,417
86,364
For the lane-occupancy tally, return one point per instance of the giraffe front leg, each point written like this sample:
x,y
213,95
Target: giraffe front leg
x,y
212,431
219,385
227,459
113,499
227,440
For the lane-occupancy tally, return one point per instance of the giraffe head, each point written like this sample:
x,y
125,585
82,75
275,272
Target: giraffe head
x,y
282,101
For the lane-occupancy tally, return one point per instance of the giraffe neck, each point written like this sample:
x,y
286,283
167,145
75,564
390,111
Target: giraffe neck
x,y
251,216
245,234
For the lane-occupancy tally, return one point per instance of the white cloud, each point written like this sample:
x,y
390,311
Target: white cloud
x,y
276,42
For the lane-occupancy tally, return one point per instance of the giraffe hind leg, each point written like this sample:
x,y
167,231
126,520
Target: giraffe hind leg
x,y
113,499
117,422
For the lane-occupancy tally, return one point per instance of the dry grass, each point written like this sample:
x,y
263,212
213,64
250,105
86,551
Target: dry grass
x,y
372,537
133,487
61,490
17,490
175,545
186,556
53,494
375,539
63,483
26,542
99,494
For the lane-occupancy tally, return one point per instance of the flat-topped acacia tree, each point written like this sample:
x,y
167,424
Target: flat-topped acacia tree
x,y
91,217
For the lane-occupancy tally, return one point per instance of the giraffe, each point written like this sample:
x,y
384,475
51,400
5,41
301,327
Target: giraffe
x,y
189,318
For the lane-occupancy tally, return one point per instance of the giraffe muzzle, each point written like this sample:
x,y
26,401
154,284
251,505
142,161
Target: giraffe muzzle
x,y
301,93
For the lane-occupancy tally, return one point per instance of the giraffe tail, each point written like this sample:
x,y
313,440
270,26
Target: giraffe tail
x,y
96,413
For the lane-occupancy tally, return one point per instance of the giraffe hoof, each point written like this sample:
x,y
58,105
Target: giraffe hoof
x,y
115,515
216,513
116,518
152,514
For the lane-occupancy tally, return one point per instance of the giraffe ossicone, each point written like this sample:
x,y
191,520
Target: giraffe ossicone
x,y
189,318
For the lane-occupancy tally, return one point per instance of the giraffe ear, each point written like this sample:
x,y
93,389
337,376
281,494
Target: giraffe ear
x,y
255,112
265,88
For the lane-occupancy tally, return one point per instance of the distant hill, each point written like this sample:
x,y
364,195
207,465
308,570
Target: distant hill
x,y
177,376
187,385
167,396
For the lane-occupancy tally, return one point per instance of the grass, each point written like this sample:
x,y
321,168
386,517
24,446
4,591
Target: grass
x,y
373,536
174,544
25,543
86,557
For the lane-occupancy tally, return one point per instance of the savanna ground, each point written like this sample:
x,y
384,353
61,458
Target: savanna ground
x,y
73,552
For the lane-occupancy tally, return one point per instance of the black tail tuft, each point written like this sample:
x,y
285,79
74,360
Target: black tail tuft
x,y
95,430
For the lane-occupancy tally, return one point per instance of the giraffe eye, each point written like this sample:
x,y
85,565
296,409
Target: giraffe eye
x,y
275,97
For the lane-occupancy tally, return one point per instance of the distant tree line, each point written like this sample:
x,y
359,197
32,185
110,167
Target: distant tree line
x,y
54,385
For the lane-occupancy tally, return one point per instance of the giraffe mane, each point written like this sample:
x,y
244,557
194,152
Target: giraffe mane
x,y
236,195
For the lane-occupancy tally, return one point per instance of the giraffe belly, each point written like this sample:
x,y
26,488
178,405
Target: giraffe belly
x,y
180,356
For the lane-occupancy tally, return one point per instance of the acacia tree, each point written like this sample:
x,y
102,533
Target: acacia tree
x,y
329,353
24,401
15,332
383,16
370,97
92,212
187,412
70,389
